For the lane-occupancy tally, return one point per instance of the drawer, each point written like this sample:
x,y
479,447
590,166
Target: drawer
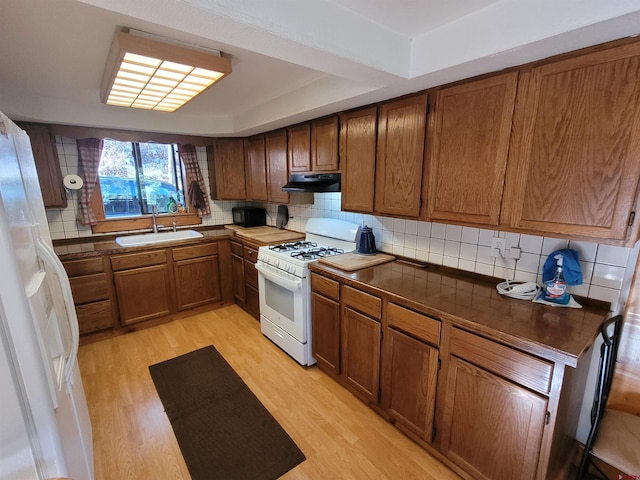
x,y
250,274
363,302
195,251
236,248
96,316
520,367
420,326
325,286
135,260
89,288
84,266
251,254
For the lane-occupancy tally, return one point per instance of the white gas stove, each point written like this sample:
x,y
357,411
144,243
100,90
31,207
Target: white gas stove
x,y
284,284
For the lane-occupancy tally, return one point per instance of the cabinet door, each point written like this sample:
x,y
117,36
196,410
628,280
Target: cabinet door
x,y
324,145
299,148
325,335
492,428
399,159
358,159
197,281
573,166
361,354
468,143
43,145
237,264
410,389
277,173
143,293
226,169
256,180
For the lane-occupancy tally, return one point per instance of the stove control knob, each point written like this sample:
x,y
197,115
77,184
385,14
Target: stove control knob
x,y
289,268
276,262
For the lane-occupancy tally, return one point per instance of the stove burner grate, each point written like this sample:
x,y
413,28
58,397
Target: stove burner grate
x,y
292,246
315,253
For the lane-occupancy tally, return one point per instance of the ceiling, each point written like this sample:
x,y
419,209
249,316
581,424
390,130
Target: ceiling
x,y
293,60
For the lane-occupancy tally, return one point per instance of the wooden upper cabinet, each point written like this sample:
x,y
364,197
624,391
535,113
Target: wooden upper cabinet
x,y
573,164
299,148
277,172
43,145
468,145
399,158
226,169
256,168
358,158
324,145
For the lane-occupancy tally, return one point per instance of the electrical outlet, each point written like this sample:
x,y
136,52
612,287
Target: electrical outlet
x,y
498,247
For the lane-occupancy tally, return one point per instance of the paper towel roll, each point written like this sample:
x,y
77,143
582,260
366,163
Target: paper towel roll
x,y
72,182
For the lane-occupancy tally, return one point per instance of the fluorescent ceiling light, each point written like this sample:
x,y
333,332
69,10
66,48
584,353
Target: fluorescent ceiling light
x,y
142,72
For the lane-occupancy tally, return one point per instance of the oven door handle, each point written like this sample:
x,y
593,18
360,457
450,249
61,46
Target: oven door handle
x,y
291,285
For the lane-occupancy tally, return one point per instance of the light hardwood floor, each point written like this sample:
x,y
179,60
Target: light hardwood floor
x,y
340,436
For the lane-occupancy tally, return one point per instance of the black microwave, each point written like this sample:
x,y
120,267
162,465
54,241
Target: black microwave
x,y
249,216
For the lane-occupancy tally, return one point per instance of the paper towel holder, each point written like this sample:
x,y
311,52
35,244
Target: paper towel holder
x,y
72,182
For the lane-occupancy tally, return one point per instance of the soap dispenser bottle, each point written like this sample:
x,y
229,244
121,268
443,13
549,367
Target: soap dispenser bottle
x,y
556,288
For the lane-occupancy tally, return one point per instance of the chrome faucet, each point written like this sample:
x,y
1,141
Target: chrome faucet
x,y
154,213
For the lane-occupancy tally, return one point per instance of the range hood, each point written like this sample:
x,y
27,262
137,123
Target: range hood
x,y
313,182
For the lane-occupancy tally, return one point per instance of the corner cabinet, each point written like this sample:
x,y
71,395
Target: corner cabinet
x,y
399,157
226,163
256,169
277,171
573,167
468,145
358,158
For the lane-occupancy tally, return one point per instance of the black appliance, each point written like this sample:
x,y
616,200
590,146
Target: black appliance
x,y
249,216
313,182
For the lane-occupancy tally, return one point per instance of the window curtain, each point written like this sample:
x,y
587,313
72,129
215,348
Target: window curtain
x,y
196,188
89,152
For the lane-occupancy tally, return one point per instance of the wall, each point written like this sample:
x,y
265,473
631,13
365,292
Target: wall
x,y
62,222
604,267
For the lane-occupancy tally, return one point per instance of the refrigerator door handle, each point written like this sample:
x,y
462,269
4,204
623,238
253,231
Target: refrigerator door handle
x,y
48,256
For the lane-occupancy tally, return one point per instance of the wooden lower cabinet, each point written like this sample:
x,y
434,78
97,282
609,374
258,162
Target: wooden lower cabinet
x,y
251,281
92,294
361,337
143,293
410,390
492,427
488,410
197,275
237,268
325,329
325,335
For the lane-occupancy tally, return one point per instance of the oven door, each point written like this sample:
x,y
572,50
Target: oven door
x,y
284,300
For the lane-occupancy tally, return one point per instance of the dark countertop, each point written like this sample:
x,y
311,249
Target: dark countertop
x,y
85,247
559,334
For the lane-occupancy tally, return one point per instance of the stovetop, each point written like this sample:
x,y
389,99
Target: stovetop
x,y
304,250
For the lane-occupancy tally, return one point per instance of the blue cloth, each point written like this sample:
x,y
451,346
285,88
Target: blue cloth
x,y
570,267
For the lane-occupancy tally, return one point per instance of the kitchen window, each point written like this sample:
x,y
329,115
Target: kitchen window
x,y
137,177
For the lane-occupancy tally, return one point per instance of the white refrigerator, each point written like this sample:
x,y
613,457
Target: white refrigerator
x,y
45,430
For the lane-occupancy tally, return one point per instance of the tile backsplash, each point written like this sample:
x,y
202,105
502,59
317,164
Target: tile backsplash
x,y
607,270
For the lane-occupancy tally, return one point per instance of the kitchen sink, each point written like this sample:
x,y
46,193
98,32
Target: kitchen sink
x,y
153,238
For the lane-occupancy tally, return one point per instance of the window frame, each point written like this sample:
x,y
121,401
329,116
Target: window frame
x,y
143,221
